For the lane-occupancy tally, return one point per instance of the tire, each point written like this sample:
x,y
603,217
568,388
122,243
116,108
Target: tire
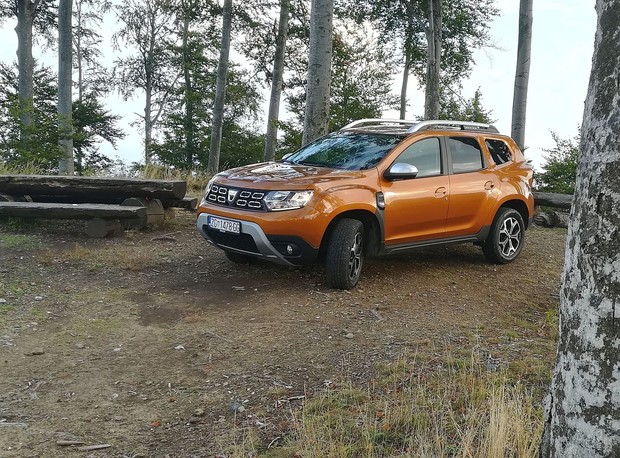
x,y
505,241
345,254
238,258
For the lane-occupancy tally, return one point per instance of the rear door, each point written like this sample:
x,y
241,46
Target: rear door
x,y
473,186
416,208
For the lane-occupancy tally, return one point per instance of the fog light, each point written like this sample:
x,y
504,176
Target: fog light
x,y
289,250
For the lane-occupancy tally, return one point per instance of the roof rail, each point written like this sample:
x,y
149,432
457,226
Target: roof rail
x,y
415,126
460,125
375,121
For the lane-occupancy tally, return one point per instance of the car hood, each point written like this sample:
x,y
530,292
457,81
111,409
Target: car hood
x,y
299,176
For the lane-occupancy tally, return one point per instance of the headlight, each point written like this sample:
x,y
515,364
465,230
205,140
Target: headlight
x,y
207,189
286,200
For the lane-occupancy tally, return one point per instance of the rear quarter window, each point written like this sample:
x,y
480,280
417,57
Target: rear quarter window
x,y
500,151
466,154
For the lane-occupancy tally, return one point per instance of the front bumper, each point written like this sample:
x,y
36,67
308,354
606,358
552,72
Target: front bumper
x,y
252,241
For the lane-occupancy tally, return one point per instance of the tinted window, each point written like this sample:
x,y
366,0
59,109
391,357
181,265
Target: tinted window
x,y
349,151
500,152
466,154
425,155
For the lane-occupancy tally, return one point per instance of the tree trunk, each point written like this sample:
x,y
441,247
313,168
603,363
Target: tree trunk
x,y
522,76
78,49
26,10
271,136
582,417
433,67
220,92
148,121
316,114
403,89
189,95
65,83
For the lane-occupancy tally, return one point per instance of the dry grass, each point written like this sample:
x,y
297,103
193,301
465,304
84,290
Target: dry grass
x,y
30,168
462,411
196,179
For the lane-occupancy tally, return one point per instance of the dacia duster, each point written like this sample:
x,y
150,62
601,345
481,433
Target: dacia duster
x,y
374,187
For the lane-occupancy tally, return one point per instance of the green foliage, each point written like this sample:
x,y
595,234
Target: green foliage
x,y
560,167
361,84
92,124
454,107
41,147
403,23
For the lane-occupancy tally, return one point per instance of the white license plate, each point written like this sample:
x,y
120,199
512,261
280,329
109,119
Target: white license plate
x,y
224,225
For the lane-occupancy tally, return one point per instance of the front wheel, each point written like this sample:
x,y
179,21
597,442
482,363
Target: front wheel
x,y
505,241
345,254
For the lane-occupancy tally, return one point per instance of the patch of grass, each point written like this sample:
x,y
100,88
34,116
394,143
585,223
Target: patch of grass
x,y
11,241
108,257
462,411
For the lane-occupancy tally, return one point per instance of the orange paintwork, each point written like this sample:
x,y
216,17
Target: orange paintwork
x,y
425,208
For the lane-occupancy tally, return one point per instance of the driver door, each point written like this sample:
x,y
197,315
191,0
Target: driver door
x,y
416,209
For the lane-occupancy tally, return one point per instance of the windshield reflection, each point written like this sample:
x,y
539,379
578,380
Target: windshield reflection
x,y
346,150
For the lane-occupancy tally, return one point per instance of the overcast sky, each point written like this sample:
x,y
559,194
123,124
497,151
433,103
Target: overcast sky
x,y
562,48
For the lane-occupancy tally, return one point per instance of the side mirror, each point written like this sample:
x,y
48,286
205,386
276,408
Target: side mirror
x,y
401,171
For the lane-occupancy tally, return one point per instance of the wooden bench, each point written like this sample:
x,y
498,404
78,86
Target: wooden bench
x,y
103,219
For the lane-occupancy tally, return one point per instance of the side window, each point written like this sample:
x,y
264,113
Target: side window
x,y
500,152
425,155
466,154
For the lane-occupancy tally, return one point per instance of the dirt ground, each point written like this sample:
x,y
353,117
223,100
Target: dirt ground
x,y
155,344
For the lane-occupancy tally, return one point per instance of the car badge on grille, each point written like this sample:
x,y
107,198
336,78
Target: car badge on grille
x,y
231,195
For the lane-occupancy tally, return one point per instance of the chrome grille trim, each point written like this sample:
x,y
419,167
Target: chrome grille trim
x,y
232,197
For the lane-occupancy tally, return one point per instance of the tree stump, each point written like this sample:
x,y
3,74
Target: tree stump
x,y
99,228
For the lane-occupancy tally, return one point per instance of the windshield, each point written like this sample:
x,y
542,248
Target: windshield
x,y
346,150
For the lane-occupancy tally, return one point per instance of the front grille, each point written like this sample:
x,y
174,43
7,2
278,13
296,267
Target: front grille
x,y
243,242
247,199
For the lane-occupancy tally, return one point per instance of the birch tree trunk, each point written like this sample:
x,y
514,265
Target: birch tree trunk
x,y
316,114
65,83
433,67
582,417
26,10
522,75
271,136
220,91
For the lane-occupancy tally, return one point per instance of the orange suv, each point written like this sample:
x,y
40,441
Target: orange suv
x,y
374,187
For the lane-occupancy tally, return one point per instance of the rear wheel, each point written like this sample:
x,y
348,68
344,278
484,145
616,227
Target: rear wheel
x,y
505,241
345,254
239,258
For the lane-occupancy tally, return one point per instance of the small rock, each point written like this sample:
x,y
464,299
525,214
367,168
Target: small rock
x,y
117,349
237,407
38,298
179,347
2,301
118,418
80,346
199,412
349,336
35,353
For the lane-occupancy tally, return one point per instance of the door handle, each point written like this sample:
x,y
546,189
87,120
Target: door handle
x,y
441,192
489,185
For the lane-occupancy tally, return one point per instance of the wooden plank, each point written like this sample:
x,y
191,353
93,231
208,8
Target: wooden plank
x,y
548,199
71,211
50,185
